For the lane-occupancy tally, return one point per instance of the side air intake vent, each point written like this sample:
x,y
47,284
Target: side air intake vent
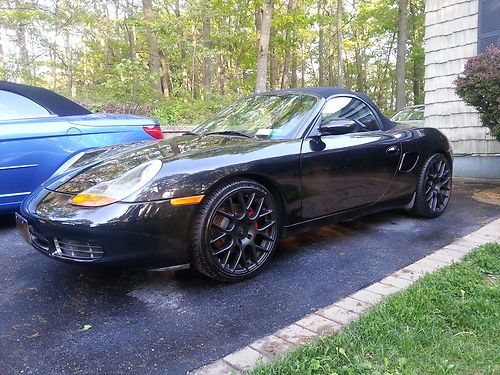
x,y
408,161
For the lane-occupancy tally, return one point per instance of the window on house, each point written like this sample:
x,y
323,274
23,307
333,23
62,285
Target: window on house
x,y
488,24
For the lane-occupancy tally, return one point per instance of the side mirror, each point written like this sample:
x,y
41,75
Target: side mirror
x,y
337,127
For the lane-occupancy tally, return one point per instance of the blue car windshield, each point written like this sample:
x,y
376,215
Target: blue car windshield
x,y
273,116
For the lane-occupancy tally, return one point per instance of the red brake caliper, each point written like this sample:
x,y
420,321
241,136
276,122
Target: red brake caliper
x,y
250,214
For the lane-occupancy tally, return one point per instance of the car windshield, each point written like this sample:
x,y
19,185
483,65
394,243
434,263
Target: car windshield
x,y
401,115
409,114
273,116
417,114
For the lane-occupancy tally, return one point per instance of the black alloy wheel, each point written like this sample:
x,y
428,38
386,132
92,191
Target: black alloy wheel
x,y
236,231
434,187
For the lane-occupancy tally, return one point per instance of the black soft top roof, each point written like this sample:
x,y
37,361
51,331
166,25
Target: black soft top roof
x,y
326,92
52,102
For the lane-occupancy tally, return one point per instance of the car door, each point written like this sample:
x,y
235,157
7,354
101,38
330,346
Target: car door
x,y
342,172
33,143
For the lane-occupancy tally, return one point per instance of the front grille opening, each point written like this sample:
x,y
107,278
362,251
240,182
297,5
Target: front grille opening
x,y
77,250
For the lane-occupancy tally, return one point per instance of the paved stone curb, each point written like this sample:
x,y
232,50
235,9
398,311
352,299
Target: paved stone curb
x,y
332,318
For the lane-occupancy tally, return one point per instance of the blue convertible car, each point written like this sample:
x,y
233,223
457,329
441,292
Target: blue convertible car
x,y
41,130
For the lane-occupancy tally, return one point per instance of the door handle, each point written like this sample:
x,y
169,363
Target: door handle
x,y
392,151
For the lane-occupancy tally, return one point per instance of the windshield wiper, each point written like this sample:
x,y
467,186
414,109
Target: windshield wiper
x,y
190,133
230,132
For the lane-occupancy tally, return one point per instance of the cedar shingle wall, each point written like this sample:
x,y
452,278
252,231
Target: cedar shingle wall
x,y
450,39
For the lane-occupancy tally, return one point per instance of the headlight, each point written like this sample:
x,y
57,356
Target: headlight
x,y
68,163
114,190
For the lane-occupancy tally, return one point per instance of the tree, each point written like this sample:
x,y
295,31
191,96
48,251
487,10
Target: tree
x,y
416,53
286,58
340,45
479,85
152,41
20,30
263,50
139,51
401,54
321,45
207,61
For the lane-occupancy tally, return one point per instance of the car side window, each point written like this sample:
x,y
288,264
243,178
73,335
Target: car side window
x,y
14,106
343,107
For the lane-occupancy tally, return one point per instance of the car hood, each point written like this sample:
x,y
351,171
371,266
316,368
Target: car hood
x,y
191,149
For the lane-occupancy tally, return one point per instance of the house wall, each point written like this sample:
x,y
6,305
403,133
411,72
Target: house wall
x,y
451,35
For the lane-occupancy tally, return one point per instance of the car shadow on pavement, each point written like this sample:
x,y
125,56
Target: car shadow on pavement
x,y
7,221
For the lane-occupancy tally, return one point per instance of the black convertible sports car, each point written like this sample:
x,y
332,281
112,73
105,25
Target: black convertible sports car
x,y
219,198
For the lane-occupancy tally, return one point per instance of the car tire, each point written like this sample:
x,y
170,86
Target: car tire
x,y
433,187
235,231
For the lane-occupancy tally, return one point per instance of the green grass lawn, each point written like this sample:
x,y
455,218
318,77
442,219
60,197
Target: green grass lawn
x,y
446,323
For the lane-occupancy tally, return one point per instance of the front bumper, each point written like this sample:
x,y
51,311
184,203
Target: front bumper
x,y
149,234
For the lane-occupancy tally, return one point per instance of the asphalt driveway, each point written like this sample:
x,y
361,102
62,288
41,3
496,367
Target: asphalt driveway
x,y
169,323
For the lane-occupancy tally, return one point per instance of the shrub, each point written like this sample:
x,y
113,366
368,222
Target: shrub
x,y
182,109
479,87
166,115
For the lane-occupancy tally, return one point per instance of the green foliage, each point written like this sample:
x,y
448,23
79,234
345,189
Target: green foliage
x,y
166,115
479,86
98,52
184,110
446,323
128,80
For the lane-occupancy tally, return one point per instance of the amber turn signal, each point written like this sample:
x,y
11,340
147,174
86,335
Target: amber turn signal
x,y
88,200
194,199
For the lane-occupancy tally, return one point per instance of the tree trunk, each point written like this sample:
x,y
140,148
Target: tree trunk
x,y
360,76
416,83
386,68
166,78
133,52
340,46
331,57
263,51
195,79
182,46
131,33
417,76
286,59
273,70
23,51
70,85
293,81
258,19
401,54
302,67
222,75
321,45
207,61
393,92
152,41
131,42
